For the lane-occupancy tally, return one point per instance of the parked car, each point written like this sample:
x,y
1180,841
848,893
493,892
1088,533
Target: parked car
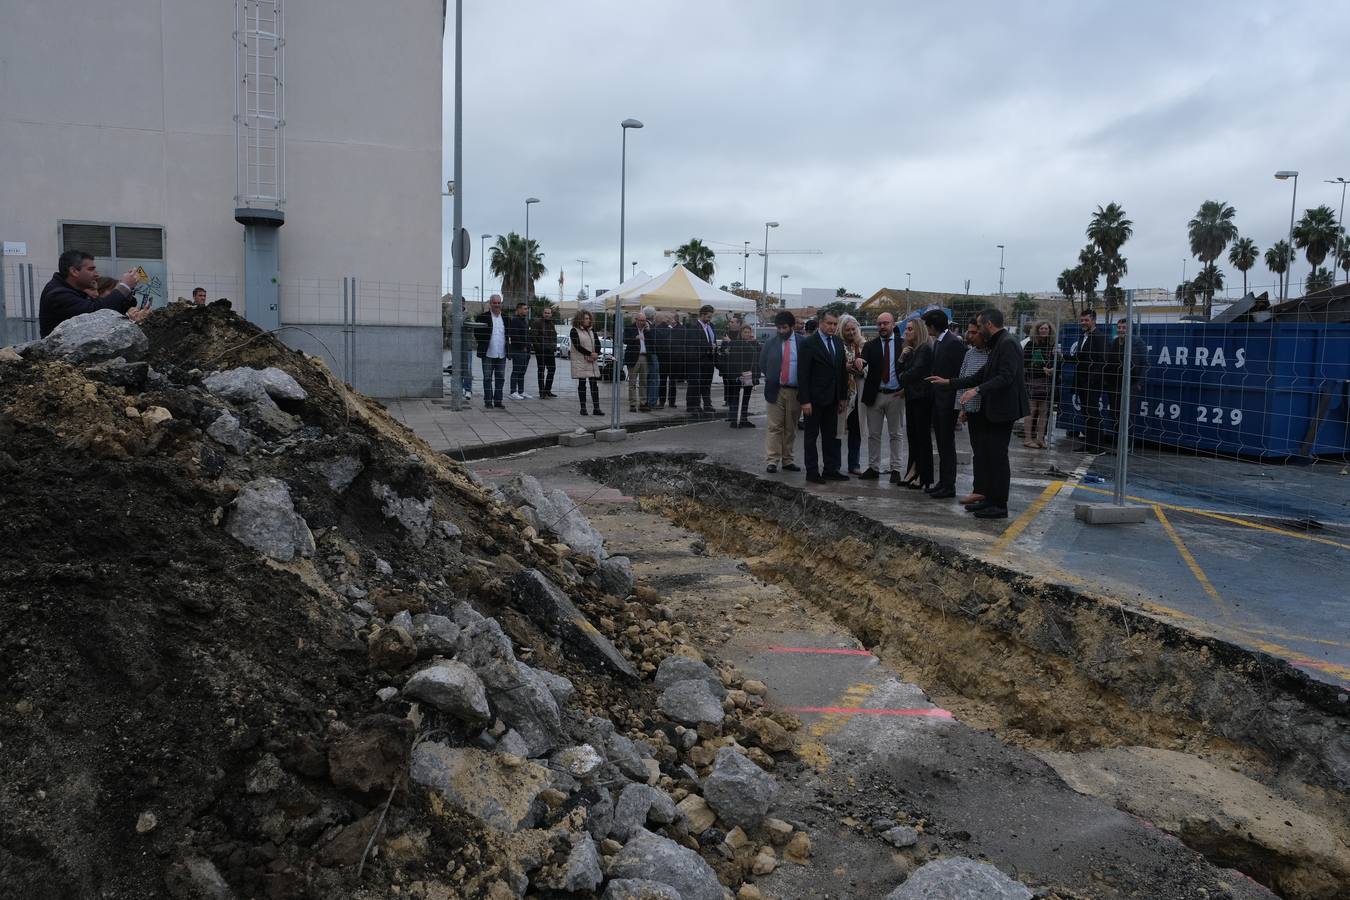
x,y
564,346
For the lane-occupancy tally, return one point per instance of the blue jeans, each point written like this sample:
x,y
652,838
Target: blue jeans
x,y
653,379
494,373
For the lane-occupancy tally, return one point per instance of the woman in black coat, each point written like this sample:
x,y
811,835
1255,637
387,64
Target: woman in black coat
x,y
739,362
916,364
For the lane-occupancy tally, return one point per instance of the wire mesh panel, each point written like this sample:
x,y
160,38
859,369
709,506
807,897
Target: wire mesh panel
x,y
260,107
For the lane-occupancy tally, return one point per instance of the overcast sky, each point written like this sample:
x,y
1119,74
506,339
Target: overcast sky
x,y
893,137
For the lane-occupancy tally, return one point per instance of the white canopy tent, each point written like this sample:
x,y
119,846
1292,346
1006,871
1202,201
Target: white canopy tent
x,y
606,300
674,289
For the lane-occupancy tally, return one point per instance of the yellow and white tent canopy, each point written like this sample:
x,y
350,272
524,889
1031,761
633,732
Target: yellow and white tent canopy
x,y
676,289
606,300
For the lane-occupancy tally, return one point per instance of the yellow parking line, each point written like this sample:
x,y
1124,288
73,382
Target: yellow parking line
x,y
1028,514
812,750
1189,559
1232,520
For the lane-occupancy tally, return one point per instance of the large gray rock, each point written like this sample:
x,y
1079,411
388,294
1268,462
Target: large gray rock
x,y
582,874
580,761
412,513
196,879
264,417
659,859
616,576
227,431
245,385
739,791
520,697
674,669
543,601
691,703
453,688
478,783
639,804
263,517
959,878
561,688
339,471
572,527
435,634
96,337
639,889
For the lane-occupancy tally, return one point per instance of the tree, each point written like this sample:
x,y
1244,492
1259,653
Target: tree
x,y
1277,260
1086,274
697,257
1345,261
838,307
842,292
582,295
1186,295
1209,233
1316,234
736,286
1318,280
1108,231
1242,256
1068,286
1207,282
507,262
1024,305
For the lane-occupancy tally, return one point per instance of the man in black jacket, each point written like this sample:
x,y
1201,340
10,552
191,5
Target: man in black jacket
x,y
64,296
663,346
881,398
491,336
700,345
637,353
518,349
1003,400
948,351
823,392
1089,355
544,343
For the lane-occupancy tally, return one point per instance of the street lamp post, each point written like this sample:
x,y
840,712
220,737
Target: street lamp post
x,y
615,427
908,280
1000,270
745,268
457,348
482,266
582,280
764,290
529,201
781,298
1283,175
1340,228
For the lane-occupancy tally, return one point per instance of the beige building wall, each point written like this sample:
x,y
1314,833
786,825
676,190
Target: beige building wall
x,y
123,113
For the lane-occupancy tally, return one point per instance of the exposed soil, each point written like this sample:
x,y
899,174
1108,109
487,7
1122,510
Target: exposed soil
x,y
1040,665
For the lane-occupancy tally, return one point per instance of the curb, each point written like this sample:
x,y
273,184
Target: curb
x,y
472,452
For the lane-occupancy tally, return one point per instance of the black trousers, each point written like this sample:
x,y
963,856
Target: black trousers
x,y
993,465
595,392
1090,399
738,401
699,394
545,366
668,390
918,424
975,429
822,424
944,429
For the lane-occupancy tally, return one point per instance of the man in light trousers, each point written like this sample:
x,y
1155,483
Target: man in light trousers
x,y
778,360
882,399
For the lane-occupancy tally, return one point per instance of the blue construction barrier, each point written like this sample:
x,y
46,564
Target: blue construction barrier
x,y
1253,390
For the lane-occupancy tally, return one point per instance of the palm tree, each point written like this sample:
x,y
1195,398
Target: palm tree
x,y
1186,295
1316,234
1068,286
1277,260
1209,233
1087,272
1318,279
697,257
1345,260
507,262
1207,282
1108,231
1243,255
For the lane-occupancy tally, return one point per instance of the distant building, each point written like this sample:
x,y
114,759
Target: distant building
x,y
118,131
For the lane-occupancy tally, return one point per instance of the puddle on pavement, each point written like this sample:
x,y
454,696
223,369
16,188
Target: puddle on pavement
x,y
1052,670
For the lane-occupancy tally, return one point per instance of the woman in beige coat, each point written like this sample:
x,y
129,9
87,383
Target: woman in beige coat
x,y
585,359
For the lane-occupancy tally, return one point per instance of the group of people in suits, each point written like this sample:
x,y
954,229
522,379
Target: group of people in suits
x,y
913,380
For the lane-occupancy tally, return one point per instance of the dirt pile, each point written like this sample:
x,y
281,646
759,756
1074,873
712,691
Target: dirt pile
x,y
257,640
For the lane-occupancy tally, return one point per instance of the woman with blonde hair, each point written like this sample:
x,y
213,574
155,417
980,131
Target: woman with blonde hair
x,y
585,359
1039,358
916,364
850,334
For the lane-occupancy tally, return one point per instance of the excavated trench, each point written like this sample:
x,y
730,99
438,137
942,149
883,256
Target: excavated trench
x,y
1060,673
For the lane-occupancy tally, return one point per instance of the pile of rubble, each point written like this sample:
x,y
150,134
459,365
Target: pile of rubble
x,y
257,640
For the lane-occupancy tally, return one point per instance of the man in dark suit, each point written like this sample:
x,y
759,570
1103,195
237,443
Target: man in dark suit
x,y
1003,400
948,351
1089,355
821,386
700,344
778,361
881,398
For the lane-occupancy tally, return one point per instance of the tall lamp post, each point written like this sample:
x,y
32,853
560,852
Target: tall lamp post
x,y
582,280
1283,175
1000,270
482,266
764,290
616,432
1340,228
457,348
908,280
529,201
781,298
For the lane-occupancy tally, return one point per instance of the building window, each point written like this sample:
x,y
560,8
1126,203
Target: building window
x,y
117,248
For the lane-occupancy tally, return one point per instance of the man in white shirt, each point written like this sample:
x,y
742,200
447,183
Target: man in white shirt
x,y
882,399
492,351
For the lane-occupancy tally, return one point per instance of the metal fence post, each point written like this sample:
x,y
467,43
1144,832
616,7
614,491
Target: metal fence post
x,y
1123,402
1051,414
4,311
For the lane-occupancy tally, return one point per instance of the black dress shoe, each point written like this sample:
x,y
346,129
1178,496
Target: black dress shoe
x,y
499,406
813,478
978,505
895,478
791,467
747,424
870,475
771,468
835,476
942,494
992,512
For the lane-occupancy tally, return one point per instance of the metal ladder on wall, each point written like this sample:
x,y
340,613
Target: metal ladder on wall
x,y
260,105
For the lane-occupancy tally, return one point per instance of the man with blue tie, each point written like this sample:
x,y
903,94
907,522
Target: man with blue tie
x,y
823,392
778,362
700,342
882,399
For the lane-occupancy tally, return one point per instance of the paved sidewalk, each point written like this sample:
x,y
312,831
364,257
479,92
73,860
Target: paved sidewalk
x,y
475,432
